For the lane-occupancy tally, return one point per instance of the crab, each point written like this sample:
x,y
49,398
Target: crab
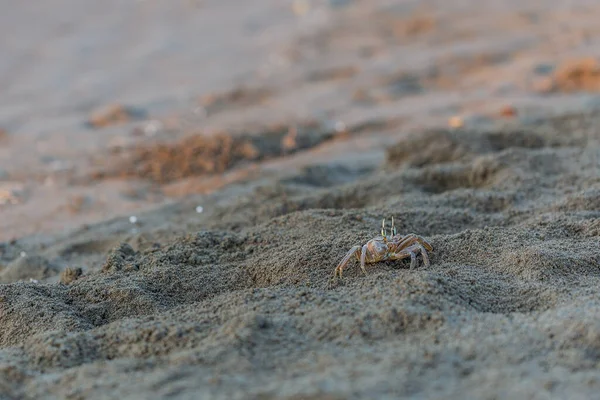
x,y
387,247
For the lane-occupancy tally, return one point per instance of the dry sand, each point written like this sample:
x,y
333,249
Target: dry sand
x,y
296,132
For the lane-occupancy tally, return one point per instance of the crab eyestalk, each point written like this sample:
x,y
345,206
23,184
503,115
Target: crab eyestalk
x,y
393,227
383,228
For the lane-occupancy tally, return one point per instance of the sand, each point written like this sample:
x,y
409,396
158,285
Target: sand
x,y
186,248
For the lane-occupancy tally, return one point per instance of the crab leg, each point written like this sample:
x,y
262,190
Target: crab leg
x,y
413,260
412,253
410,239
425,255
363,259
400,255
405,253
345,260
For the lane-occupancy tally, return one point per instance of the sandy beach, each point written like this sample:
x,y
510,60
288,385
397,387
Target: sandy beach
x,y
179,180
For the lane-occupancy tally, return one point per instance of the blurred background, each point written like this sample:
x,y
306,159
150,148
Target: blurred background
x,y
110,108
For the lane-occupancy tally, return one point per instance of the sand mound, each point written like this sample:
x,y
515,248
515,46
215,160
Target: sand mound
x,y
205,155
245,307
28,267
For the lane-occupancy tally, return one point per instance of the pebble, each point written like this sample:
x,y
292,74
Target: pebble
x,y
340,126
152,127
508,111
456,122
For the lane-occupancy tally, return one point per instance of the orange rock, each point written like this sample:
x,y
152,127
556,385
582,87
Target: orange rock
x,y
508,112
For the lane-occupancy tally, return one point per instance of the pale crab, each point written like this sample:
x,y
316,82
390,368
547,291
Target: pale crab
x,y
387,247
